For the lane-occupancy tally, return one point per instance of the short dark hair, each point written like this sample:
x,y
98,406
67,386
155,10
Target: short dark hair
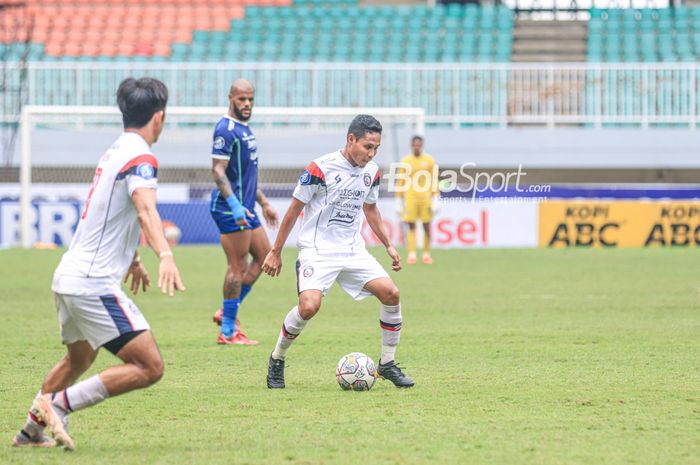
x,y
416,137
362,124
140,99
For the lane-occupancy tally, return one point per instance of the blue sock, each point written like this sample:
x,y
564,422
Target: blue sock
x,y
230,313
245,289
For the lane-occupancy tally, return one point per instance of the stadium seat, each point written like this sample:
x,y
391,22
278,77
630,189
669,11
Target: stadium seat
x,y
666,34
271,30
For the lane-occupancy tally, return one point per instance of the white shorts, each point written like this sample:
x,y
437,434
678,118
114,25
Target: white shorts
x,y
351,271
97,319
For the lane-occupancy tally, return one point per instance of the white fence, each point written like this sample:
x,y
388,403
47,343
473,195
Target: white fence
x,y
452,94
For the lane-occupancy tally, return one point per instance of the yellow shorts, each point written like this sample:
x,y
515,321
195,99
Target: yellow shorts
x,y
417,211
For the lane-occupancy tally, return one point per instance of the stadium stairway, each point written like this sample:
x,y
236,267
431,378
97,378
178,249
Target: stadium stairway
x,y
549,41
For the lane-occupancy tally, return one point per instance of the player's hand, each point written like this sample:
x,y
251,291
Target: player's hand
x,y
169,277
273,263
139,277
243,221
270,215
395,258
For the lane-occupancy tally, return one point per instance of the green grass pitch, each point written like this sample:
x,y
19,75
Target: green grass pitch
x,y
519,356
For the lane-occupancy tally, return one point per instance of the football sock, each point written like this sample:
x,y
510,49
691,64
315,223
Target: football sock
x,y
390,322
245,289
33,427
292,326
228,321
426,243
411,240
84,394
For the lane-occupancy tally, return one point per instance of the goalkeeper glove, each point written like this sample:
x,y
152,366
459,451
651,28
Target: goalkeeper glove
x,y
435,204
399,206
236,207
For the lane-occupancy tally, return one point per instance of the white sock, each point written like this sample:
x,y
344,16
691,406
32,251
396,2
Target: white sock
x,y
33,427
292,326
390,322
84,394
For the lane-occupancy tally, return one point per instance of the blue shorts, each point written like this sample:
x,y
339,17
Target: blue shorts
x,y
226,224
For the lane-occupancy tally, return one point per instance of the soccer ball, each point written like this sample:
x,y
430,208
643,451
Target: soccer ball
x,y
171,232
356,372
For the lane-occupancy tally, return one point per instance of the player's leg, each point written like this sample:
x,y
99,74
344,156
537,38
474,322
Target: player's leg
x,y
143,366
315,275
259,247
390,321
78,359
111,321
362,276
294,323
236,246
425,215
411,243
427,258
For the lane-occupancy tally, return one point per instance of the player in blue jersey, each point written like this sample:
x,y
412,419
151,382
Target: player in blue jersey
x,y
235,172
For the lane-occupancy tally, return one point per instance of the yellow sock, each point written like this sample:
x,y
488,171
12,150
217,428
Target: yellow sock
x,y
411,241
426,243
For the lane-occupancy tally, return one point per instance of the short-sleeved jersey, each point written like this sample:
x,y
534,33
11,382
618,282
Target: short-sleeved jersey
x,y
422,185
235,142
334,192
108,232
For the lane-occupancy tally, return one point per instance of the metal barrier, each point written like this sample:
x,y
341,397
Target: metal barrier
x,y
458,95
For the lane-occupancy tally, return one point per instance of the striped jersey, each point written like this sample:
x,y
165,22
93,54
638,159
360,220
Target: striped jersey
x,y
334,192
235,142
108,231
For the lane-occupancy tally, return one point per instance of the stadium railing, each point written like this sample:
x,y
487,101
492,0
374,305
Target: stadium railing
x,y
456,95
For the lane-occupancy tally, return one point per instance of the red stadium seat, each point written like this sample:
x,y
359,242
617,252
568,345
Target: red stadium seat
x,y
119,27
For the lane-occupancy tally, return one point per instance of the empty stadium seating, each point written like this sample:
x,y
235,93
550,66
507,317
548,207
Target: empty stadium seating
x,y
257,30
646,35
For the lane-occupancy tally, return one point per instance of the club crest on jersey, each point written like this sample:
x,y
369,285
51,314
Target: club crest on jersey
x,y
308,271
219,143
145,171
367,179
305,178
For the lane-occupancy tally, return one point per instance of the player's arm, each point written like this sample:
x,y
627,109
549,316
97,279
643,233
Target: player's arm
x,y
374,219
269,213
435,188
273,261
218,171
168,275
399,187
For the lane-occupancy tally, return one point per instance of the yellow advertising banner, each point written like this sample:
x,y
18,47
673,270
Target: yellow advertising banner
x,y
619,224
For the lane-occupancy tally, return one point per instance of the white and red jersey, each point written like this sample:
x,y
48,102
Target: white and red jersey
x,y
334,192
108,231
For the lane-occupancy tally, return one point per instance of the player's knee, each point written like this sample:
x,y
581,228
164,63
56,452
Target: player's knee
x,y
391,296
308,308
153,372
234,277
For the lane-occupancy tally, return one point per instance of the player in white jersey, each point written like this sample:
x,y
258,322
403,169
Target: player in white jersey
x,y
335,192
93,311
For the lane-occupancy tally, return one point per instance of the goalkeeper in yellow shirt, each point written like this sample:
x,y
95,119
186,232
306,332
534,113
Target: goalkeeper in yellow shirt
x,y
418,201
